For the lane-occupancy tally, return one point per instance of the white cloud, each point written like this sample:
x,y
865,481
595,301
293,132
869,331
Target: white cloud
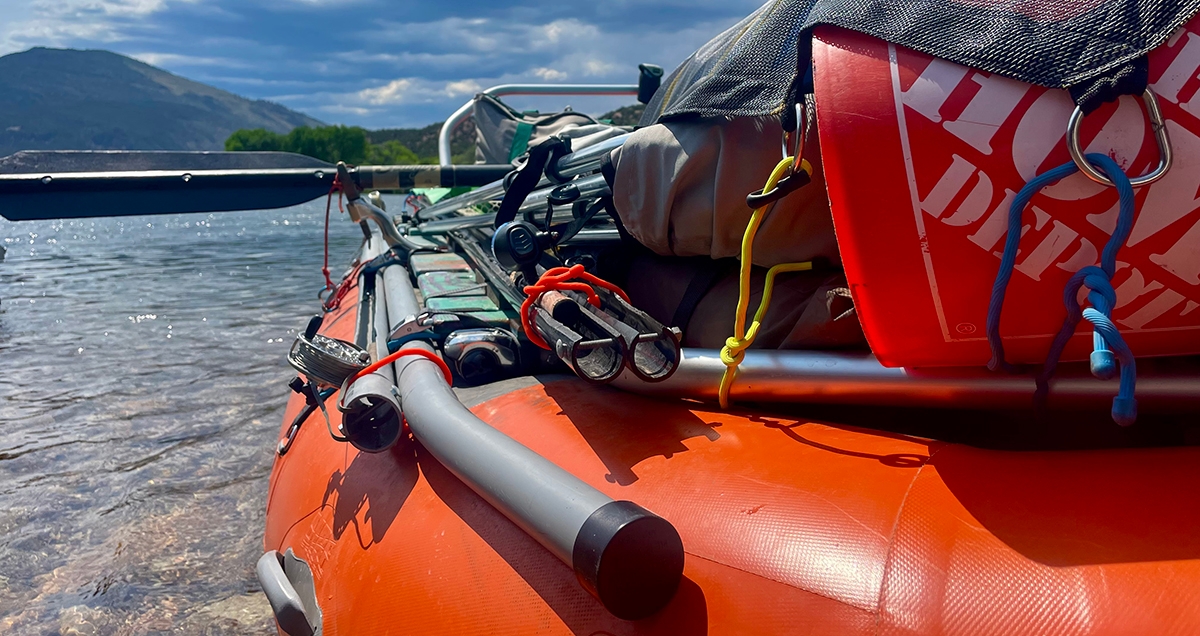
x,y
394,92
549,74
176,59
61,22
462,87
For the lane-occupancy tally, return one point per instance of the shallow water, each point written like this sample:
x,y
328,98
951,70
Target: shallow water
x,y
142,384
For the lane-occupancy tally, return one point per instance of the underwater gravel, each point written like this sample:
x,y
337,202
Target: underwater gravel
x,y
142,385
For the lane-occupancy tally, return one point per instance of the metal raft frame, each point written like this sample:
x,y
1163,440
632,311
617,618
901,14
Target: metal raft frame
x,y
466,110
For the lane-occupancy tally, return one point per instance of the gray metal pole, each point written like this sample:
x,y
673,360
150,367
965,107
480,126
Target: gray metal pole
x,y
370,410
631,559
849,378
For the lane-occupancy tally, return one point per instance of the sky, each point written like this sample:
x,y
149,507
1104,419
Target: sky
x,y
381,64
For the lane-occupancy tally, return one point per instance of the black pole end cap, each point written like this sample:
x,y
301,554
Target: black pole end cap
x,y
629,558
314,326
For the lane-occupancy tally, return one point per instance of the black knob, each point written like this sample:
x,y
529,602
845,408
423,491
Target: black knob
x,y
648,81
564,194
314,325
516,246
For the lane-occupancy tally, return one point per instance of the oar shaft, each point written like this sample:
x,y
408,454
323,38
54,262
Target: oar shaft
x,y
408,177
31,195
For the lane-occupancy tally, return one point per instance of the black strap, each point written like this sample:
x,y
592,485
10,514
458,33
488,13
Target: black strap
x,y
626,237
1130,79
706,275
582,219
526,177
608,169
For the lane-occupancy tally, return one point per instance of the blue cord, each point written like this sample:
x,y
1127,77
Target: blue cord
x,y
1106,338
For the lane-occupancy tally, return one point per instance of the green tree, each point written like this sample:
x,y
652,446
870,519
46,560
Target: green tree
x,y
329,143
254,139
391,153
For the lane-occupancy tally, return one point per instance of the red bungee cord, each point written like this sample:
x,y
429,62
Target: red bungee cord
x,y
336,186
560,279
335,299
386,360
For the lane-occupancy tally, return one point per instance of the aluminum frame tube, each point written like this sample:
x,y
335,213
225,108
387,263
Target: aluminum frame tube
x,y
534,205
569,166
1164,385
587,159
464,111
376,387
640,552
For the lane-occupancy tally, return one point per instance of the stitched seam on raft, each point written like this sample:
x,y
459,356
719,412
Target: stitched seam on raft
x,y
774,580
887,563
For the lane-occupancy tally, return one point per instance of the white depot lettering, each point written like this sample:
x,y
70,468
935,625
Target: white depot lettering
x,y
1158,306
1174,196
1182,69
933,87
1084,256
1134,288
1183,258
1043,126
947,188
1048,250
987,111
996,226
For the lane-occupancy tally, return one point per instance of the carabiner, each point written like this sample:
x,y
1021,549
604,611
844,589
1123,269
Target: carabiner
x,y
1157,123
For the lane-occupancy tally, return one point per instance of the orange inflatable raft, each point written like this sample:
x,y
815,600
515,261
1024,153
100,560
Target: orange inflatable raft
x,y
788,524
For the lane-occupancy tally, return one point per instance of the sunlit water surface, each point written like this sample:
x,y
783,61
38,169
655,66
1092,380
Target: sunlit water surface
x,y
142,384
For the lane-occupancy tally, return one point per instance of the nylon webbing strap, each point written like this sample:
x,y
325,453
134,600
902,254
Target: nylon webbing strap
x,y
1129,79
526,177
521,139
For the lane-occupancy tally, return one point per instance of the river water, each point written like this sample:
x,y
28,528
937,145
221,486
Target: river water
x,y
142,384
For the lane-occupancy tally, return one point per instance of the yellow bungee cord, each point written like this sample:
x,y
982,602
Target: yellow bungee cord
x,y
735,347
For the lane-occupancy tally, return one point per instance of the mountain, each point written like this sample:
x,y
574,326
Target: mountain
x,y
423,141
62,99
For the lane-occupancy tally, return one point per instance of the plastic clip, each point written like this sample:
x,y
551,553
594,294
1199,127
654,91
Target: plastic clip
x,y
786,186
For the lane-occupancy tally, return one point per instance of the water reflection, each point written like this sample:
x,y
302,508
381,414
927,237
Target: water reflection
x,y
142,382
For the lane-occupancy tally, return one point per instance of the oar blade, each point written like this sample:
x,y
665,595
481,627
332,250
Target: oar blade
x,y
59,161
61,184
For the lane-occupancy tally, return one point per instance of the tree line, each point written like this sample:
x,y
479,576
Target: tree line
x,y
328,143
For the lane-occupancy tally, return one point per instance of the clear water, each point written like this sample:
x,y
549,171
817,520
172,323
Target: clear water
x,y
142,385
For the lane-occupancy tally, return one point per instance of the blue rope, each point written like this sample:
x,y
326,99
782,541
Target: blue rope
x,y
1106,339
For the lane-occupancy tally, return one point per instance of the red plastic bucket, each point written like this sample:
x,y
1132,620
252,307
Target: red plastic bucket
x,y
922,158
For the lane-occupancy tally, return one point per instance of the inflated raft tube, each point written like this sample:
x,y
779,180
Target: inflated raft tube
x,y
1164,385
791,526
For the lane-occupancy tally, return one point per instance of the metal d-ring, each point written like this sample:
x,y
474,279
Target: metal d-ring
x,y
797,138
1157,123
799,135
